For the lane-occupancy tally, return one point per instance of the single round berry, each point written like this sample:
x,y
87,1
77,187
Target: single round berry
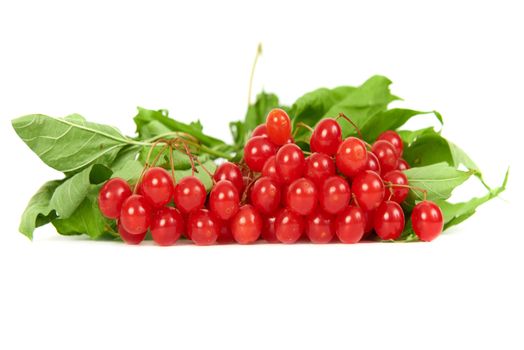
x,y
389,220
157,186
167,226
270,170
289,226
224,235
319,166
203,227
373,163
257,151
368,189
334,195
136,213
290,163
386,155
190,194
265,195
268,229
224,200
320,227
398,182
394,138
402,165
246,225
302,197
350,224
427,220
351,157
326,137
111,197
130,238
231,172
278,126
260,130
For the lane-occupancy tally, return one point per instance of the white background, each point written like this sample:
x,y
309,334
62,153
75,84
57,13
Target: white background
x,y
101,59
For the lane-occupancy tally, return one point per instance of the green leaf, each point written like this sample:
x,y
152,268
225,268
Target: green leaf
x,y
39,211
200,173
129,171
70,144
438,180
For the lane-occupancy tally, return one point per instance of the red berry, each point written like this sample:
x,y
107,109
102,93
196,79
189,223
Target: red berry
x,y
302,197
402,165
130,238
260,130
290,163
157,186
224,200
268,230
270,170
257,151
224,235
350,224
320,227
334,194
231,172
352,156
265,195
190,194
326,137
289,226
246,225
393,138
373,163
203,227
135,216
368,189
386,155
427,220
167,226
396,193
369,221
111,197
278,126
319,166
389,220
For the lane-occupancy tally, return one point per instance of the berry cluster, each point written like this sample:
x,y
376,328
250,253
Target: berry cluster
x,y
344,188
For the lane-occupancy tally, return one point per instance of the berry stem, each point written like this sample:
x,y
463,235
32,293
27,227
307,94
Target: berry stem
x,y
302,125
252,75
342,115
172,163
415,188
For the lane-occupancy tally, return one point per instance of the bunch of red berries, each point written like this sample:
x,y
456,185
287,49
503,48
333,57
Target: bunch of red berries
x,y
344,188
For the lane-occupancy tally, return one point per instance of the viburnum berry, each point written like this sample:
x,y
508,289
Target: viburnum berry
x,y
350,224
190,194
278,126
394,138
334,195
389,221
319,166
224,200
224,234
386,155
260,130
369,220
320,227
257,150
167,226
128,237
203,227
246,225
270,170
290,163
398,190
373,163
326,137
136,213
351,157
402,165
368,189
157,186
111,197
265,195
302,196
268,229
289,226
427,220
231,172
